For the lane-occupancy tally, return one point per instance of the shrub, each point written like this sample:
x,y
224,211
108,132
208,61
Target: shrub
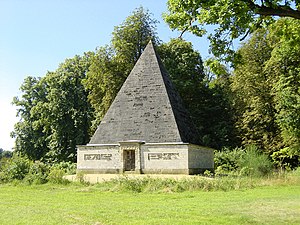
x,y
58,171
254,163
56,176
227,160
38,173
287,158
242,162
15,168
66,167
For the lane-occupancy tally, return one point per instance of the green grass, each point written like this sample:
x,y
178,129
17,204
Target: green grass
x,y
80,204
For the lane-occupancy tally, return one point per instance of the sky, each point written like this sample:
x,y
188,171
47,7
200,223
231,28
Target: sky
x,y
36,36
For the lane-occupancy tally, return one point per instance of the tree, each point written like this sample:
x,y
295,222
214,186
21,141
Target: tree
x,y
266,88
185,68
284,64
67,114
54,113
230,19
5,154
131,37
30,136
254,96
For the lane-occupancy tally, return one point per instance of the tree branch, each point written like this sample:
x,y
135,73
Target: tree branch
x,y
186,28
279,10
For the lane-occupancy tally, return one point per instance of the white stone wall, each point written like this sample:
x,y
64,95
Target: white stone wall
x,y
169,158
164,158
103,158
200,157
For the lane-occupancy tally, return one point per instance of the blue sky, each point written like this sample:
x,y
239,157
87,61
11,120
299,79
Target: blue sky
x,y
38,35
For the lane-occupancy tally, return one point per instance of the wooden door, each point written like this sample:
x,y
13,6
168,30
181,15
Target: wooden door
x,y
129,160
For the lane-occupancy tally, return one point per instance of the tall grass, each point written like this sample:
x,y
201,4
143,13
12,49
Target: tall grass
x,y
196,183
150,184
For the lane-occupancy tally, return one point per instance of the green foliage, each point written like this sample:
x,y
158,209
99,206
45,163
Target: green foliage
x,y
284,63
20,168
67,167
15,168
243,162
55,115
253,93
37,174
58,171
5,154
56,176
69,114
254,163
230,19
30,138
287,158
227,160
266,92
131,37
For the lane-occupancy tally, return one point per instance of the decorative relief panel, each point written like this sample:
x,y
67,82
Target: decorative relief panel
x,y
163,156
106,157
129,147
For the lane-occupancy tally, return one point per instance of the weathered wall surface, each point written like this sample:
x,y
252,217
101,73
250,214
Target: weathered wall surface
x,y
171,158
99,159
200,158
164,158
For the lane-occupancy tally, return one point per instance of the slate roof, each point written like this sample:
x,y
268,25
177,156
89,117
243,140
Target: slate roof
x,y
146,108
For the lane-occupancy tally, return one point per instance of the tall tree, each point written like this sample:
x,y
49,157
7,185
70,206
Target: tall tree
x,y
285,64
231,19
29,136
69,113
54,113
131,37
253,87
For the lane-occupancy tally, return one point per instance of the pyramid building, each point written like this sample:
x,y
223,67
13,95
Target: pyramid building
x,y
146,129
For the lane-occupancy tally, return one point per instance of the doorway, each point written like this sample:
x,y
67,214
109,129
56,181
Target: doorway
x,y
129,160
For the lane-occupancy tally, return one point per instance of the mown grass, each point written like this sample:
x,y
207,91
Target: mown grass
x,y
269,201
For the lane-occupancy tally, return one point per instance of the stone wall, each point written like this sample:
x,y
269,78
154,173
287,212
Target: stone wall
x,y
200,159
164,158
150,158
99,159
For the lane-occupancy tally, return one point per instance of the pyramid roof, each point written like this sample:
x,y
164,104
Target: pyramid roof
x,y
147,108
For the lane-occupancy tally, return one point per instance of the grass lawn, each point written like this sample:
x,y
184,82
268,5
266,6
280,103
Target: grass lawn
x,y
79,204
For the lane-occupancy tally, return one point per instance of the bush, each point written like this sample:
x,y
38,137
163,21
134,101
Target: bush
x,y
254,163
287,158
15,168
58,171
227,160
22,169
242,162
67,167
56,176
38,173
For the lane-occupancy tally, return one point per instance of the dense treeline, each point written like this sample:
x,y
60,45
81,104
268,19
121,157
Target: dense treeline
x,y
256,103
